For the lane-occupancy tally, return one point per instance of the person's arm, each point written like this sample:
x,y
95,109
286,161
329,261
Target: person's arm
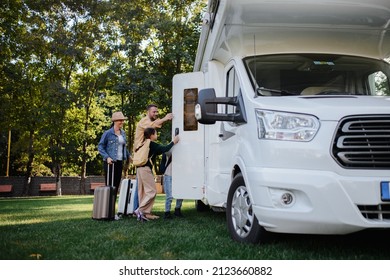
x,y
159,122
102,146
158,149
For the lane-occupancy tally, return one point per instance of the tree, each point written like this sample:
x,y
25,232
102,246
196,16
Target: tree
x,y
22,77
172,47
67,65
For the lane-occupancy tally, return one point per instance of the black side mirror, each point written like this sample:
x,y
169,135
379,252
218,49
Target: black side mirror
x,y
206,110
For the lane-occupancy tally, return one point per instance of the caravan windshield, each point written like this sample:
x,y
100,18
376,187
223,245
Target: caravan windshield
x,y
318,74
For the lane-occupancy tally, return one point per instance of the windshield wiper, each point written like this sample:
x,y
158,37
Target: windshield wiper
x,y
275,92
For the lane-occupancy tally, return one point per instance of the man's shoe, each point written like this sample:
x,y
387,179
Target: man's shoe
x,y
178,213
167,215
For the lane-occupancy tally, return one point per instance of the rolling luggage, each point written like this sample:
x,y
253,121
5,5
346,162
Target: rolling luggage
x,y
126,197
104,199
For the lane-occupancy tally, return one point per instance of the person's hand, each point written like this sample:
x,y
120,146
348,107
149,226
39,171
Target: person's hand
x,y
109,160
176,139
168,117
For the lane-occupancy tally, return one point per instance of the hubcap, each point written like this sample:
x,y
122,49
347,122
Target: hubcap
x,y
242,214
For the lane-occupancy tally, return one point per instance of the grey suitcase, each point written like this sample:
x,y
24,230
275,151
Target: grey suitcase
x,y
104,200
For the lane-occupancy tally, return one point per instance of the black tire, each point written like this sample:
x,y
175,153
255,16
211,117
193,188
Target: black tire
x,y
242,223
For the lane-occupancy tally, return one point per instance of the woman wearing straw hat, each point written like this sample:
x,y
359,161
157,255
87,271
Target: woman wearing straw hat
x,y
113,148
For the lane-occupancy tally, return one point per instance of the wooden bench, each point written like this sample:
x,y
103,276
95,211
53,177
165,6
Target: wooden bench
x,y
48,187
95,185
5,188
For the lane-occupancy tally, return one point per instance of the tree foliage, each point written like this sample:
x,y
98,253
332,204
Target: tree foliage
x,y
67,65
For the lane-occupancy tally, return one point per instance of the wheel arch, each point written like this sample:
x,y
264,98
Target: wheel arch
x,y
240,168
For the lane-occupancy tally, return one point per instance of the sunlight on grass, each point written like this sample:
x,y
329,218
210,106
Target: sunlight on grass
x,y
43,213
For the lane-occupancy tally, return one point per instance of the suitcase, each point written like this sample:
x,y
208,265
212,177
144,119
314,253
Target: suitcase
x,y
104,200
126,197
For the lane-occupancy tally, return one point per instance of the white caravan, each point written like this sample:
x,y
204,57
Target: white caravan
x,y
285,121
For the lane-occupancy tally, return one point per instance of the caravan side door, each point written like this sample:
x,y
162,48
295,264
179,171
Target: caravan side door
x,y
188,160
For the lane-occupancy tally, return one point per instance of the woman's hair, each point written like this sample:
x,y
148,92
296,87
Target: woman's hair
x,y
149,131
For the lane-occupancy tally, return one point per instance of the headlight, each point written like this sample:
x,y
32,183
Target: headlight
x,y
286,126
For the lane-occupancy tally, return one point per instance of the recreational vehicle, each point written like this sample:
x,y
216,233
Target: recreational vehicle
x,y
285,120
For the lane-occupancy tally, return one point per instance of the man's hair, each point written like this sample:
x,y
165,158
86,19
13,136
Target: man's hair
x,y
151,106
149,131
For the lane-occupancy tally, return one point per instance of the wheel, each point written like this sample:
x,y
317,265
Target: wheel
x,y
200,206
242,223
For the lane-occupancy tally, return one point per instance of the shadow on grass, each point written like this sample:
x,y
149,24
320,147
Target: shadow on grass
x,y
364,245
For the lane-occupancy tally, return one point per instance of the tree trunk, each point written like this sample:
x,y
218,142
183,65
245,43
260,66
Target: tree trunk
x,y
57,175
82,189
29,165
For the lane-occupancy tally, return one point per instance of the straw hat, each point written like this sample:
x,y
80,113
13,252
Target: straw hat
x,y
117,116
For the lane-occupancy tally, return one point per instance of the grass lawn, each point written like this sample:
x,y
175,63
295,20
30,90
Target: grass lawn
x,y
61,228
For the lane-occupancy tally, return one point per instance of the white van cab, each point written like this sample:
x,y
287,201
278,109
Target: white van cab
x,y
285,121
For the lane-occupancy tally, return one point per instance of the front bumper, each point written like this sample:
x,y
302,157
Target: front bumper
x,y
323,202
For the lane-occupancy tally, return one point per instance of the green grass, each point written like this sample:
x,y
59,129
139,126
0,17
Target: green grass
x,y
61,228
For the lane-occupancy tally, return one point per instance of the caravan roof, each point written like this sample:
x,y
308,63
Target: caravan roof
x,y
256,27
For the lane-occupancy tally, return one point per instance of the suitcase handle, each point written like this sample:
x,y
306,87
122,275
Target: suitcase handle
x,y
112,174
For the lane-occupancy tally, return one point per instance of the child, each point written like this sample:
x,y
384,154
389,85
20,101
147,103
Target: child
x,y
146,186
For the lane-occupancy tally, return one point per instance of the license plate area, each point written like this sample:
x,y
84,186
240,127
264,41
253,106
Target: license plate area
x,y
385,192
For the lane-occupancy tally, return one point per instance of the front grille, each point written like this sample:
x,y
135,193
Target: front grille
x,y
379,212
363,142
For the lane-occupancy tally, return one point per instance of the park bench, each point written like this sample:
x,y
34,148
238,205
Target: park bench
x,y
5,188
47,187
95,185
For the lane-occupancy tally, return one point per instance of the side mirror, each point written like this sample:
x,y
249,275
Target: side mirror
x,y
206,109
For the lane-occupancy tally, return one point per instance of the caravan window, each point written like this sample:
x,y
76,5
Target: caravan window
x,y
189,121
318,74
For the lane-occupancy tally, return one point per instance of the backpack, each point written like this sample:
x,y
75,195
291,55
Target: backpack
x,y
164,163
140,157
